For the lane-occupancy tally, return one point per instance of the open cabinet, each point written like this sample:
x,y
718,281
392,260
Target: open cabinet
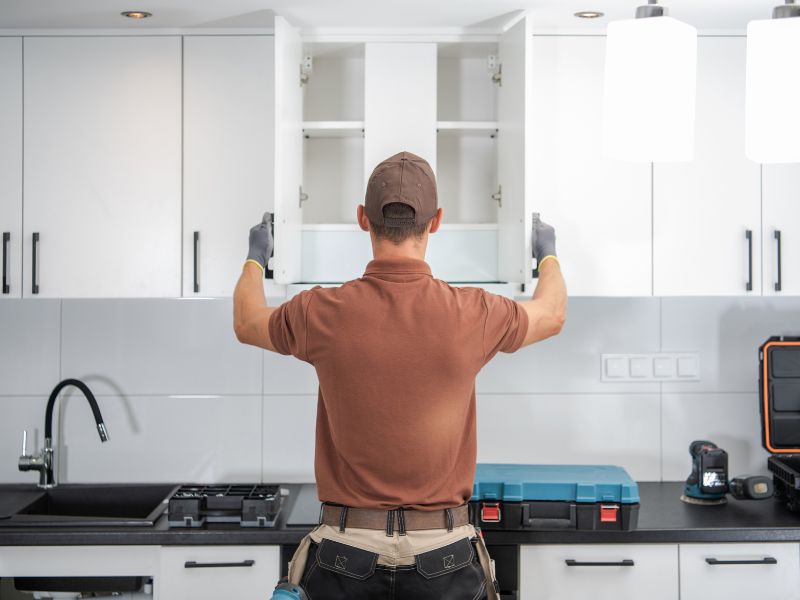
x,y
342,107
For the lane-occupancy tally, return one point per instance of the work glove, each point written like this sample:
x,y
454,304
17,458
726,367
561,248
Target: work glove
x,y
543,240
261,242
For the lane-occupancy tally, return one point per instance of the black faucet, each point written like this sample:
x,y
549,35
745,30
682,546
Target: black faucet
x,y
43,462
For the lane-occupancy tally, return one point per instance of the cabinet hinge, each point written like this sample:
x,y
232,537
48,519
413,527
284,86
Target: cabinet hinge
x,y
495,69
306,66
498,196
303,197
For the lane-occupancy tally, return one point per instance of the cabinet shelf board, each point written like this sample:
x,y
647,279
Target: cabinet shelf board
x,y
467,127
355,227
335,129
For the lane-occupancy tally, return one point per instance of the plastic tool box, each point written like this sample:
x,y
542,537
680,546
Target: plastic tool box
x,y
547,497
779,394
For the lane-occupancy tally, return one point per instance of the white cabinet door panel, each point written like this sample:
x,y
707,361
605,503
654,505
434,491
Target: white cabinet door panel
x,y
228,147
11,166
545,574
185,572
399,102
102,165
79,561
726,579
703,209
781,207
601,208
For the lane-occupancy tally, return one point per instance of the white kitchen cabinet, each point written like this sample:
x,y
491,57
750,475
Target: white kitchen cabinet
x,y
707,213
227,155
102,166
352,114
602,572
723,571
601,208
79,561
213,572
11,166
781,229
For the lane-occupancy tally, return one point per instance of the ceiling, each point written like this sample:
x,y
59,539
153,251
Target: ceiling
x,y
728,15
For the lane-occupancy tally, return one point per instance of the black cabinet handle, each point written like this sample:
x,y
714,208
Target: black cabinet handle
x,y
191,564
6,240
196,243
34,261
268,273
749,235
621,563
778,284
768,560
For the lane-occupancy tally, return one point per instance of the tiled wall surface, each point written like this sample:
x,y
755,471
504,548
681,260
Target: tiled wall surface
x,y
184,401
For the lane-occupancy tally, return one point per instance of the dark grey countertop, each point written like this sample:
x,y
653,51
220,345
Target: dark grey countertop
x,y
663,518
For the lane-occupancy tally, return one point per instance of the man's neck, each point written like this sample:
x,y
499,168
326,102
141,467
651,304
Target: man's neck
x,y
388,251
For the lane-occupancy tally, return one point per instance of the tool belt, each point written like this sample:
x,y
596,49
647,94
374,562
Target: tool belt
x,y
401,519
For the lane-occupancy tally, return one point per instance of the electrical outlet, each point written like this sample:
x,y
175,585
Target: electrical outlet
x,y
659,366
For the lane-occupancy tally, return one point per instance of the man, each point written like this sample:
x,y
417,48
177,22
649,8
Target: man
x,y
396,354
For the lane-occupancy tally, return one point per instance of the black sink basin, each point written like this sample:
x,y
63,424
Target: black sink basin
x,y
128,505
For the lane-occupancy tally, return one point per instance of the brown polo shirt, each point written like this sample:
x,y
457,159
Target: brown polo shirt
x,y
396,353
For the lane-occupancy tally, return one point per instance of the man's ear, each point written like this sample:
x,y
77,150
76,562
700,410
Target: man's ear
x,y
363,221
436,221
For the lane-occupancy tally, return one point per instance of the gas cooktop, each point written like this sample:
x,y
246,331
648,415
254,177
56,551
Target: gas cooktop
x,y
250,505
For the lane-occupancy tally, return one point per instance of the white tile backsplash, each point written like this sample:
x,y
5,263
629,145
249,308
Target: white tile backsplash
x,y
29,346
289,433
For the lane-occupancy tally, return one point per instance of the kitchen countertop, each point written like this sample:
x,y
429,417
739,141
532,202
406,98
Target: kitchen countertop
x,y
663,518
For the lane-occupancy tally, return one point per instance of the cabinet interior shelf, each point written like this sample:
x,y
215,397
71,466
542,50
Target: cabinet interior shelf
x,y
467,127
355,227
334,129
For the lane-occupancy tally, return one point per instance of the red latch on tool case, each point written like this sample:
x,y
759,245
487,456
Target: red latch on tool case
x,y
609,513
490,512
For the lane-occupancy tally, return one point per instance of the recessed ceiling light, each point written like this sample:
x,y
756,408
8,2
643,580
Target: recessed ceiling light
x,y
589,14
136,14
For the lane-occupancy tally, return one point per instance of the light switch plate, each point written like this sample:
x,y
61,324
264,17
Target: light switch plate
x,y
658,366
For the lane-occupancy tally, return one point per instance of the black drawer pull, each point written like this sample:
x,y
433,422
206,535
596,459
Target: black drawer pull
x,y
6,240
196,243
34,265
768,560
622,563
192,564
749,235
779,283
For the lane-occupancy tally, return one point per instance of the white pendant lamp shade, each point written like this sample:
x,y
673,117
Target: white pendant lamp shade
x,y
650,87
772,130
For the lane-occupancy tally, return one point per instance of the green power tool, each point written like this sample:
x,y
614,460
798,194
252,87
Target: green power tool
x,y
708,483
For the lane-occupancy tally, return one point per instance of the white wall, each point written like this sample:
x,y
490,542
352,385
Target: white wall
x,y
184,401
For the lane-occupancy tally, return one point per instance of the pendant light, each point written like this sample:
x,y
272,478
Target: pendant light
x,y
650,87
772,129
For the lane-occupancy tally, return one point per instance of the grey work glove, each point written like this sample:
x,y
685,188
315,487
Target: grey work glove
x,y
543,239
261,242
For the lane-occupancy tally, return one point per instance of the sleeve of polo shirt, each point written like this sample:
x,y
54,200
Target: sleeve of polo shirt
x,y
505,327
288,326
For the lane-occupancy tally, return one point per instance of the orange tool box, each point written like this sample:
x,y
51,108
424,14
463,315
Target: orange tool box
x,y
779,404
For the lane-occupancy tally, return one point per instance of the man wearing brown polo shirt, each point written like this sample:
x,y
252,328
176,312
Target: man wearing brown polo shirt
x,y
396,354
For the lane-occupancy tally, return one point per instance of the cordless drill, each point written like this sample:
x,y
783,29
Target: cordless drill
x,y
708,482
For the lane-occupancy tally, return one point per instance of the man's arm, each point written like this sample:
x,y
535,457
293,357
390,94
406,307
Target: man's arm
x,y
547,311
250,311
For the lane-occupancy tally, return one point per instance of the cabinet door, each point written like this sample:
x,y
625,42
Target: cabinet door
x,y
288,152
781,234
601,208
198,572
618,572
703,210
228,148
11,167
79,561
724,571
399,102
513,160
102,166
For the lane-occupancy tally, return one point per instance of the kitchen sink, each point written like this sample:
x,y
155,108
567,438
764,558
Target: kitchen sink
x,y
78,505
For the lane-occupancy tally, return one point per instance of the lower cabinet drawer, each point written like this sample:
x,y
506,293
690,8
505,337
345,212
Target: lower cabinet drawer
x,y
199,573
725,571
599,572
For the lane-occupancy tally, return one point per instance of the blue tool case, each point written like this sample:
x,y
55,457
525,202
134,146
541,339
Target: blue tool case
x,y
547,497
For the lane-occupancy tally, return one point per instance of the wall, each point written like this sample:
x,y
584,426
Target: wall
x,y
184,401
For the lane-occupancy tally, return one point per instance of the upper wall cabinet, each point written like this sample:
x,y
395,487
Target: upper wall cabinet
x,y
11,166
227,155
102,170
341,108
707,213
781,229
601,208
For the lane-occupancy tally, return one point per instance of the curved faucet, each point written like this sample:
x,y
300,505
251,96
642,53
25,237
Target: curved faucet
x,y
43,462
